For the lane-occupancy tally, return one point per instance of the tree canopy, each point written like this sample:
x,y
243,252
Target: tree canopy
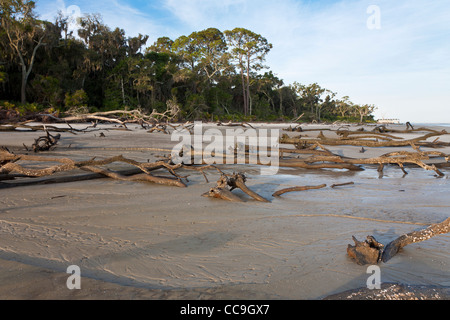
x,y
209,73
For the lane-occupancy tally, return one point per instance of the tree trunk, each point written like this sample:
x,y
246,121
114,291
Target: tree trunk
x,y
244,92
249,102
281,102
123,91
23,94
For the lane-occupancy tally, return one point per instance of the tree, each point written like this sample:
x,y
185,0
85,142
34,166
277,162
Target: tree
x,y
161,45
343,106
364,110
248,51
211,49
25,35
327,105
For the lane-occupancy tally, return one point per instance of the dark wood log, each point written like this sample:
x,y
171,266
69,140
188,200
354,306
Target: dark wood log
x,y
416,236
342,184
371,251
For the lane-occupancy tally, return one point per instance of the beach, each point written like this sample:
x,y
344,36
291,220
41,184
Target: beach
x,y
138,240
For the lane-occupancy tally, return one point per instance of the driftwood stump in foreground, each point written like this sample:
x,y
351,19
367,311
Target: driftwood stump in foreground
x,y
371,251
235,181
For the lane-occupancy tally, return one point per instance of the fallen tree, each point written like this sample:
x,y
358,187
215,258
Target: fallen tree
x,y
372,252
326,159
9,165
420,141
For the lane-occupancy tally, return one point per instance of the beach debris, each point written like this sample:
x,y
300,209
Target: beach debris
x,y
409,125
238,124
80,114
359,141
9,165
325,159
234,181
45,143
159,128
372,252
342,184
299,188
221,191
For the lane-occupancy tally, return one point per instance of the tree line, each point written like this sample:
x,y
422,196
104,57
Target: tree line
x,y
209,74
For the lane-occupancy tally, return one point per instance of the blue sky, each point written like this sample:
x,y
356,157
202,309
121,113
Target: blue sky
x,y
402,67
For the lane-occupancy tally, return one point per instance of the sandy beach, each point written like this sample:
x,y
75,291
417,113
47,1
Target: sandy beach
x,y
134,240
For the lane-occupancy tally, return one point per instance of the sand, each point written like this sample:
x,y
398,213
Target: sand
x,y
144,241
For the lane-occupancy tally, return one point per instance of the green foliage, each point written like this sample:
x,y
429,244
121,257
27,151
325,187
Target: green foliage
x,y
209,73
22,109
78,99
47,90
3,75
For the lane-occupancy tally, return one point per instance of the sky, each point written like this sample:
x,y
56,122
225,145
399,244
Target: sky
x,y
394,54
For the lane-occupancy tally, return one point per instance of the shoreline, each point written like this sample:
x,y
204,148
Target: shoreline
x,y
132,241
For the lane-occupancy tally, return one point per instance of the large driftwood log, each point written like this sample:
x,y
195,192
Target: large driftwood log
x,y
9,164
420,141
326,159
371,251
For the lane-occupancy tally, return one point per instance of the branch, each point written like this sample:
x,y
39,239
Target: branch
x,y
302,188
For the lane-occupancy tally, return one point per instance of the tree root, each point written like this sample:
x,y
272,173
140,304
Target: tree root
x,y
45,143
371,251
235,181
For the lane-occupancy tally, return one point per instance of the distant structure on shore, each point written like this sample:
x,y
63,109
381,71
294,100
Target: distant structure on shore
x,y
388,121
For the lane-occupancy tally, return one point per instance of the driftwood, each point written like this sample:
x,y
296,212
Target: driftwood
x,y
301,188
235,181
371,251
8,165
325,159
299,128
44,143
342,184
420,141
120,117
159,128
231,124
18,127
222,191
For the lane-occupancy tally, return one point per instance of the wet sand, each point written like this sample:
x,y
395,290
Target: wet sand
x,y
144,241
